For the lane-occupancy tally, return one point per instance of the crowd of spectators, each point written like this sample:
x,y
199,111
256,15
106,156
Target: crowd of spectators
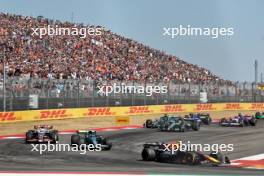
x,y
104,57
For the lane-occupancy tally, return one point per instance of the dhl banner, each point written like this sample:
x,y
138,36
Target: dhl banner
x,y
122,120
33,115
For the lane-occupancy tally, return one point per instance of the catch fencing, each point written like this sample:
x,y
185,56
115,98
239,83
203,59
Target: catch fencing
x,y
74,93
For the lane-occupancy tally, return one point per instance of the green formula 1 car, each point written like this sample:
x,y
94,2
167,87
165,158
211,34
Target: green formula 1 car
x,y
259,115
88,137
180,124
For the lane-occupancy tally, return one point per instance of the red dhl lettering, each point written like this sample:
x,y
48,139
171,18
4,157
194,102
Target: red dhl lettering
x,y
233,106
173,108
99,111
122,120
53,114
257,106
204,107
7,116
138,110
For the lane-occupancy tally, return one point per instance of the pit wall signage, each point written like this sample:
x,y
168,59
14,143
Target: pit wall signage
x,y
127,111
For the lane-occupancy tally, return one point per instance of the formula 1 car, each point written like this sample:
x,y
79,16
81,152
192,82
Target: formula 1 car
x,y
239,121
155,123
41,134
259,115
90,137
203,117
158,152
180,124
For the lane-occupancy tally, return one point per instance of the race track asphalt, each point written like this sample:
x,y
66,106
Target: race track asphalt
x,y
125,155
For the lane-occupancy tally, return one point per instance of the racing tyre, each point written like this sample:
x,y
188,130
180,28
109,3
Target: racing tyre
x,y
241,123
222,120
54,136
257,115
191,158
196,126
148,123
208,120
253,121
148,154
108,145
75,139
182,125
29,135
182,129
218,156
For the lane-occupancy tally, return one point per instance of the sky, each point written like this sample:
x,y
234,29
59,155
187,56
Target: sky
x,y
231,57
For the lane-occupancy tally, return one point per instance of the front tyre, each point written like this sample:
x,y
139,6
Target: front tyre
x,y
218,156
192,158
29,136
108,145
148,154
55,136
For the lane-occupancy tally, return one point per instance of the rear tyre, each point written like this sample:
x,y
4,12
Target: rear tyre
x,y
241,123
196,126
257,115
222,120
253,121
75,140
208,120
148,154
182,129
182,125
148,123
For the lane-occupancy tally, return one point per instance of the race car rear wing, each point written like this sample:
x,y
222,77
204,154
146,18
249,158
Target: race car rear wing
x,y
43,126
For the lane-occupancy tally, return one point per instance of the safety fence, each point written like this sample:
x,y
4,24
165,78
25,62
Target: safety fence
x,y
74,93
52,114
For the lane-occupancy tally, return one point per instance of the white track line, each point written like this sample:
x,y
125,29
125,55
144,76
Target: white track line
x,y
13,137
129,128
66,174
252,158
111,129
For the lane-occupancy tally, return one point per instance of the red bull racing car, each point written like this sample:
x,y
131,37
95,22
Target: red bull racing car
x,y
158,152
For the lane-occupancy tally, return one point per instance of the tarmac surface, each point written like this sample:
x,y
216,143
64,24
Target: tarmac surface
x,y
125,155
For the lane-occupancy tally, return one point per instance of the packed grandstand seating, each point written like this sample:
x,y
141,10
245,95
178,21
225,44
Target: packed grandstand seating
x,y
105,57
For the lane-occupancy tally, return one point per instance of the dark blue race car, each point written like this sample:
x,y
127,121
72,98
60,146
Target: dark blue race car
x,y
239,121
204,118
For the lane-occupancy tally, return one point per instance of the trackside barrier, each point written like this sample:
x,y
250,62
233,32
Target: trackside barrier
x,y
34,115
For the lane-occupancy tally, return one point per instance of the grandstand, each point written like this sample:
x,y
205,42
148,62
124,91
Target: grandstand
x,y
105,57
65,70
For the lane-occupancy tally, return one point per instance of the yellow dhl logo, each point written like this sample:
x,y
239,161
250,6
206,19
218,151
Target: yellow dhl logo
x,y
204,107
138,110
230,106
8,116
99,111
257,106
173,108
54,114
